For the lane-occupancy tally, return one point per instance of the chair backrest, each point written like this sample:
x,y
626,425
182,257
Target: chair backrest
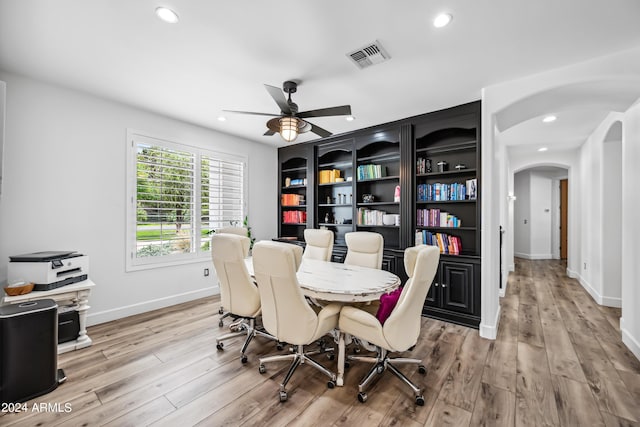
x,y
402,328
285,312
319,244
364,248
239,231
238,294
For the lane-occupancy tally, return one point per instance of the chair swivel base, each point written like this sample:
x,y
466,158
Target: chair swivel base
x,y
298,358
382,362
245,327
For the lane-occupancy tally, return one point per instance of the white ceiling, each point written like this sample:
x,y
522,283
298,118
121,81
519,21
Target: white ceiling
x,y
221,53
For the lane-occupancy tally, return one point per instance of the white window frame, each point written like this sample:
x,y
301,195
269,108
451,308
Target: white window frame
x,y
134,263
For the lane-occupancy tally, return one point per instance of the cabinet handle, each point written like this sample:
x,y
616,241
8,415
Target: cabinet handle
x,y
436,285
444,285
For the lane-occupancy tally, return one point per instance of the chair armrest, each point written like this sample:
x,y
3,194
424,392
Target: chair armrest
x,y
328,319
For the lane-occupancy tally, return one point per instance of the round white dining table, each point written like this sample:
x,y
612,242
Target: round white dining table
x,y
343,283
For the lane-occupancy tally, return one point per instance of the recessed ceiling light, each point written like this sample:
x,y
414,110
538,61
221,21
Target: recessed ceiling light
x,y
442,20
167,15
542,149
222,119
549,119
349,118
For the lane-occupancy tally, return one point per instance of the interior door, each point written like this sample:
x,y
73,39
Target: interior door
x,y
564,205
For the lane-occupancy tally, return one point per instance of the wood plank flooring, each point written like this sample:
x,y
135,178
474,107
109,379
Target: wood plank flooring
x,y
558,360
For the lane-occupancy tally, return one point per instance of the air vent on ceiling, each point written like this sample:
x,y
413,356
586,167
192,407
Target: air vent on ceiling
x,y
371,54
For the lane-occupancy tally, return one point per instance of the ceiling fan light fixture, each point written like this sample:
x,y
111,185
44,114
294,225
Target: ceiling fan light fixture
x,y
349,118
289,128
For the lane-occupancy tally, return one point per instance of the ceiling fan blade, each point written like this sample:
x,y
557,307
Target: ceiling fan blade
x,y
251,112
319,131
269,133
343,110
278,96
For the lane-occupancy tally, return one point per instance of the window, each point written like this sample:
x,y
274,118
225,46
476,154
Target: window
x,y
176,195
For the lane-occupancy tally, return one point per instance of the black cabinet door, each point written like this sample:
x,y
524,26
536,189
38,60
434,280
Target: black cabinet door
x,y
456,286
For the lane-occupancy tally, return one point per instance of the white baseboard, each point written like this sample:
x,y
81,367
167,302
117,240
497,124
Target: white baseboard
x,y
143,307
512,267
533,257
490,332
570,273
597,297
632,344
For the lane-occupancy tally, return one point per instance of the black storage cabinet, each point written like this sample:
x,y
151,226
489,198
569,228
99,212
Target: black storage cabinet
x,y
28,350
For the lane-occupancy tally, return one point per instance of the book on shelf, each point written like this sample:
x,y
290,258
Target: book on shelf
x,y
451,245
436,218
370,216
327,176
291,199
371,171
288,182
438,192
294,217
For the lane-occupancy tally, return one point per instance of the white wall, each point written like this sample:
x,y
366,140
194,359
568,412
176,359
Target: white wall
x,y
630,320
612,220
64,189
593,204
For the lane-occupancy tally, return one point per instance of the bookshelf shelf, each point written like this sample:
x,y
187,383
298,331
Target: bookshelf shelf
x,y
383,178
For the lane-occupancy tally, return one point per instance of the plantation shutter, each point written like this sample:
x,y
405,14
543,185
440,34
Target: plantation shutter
x,y
164,201
222,193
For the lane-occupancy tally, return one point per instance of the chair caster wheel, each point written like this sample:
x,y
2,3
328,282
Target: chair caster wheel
x,y
331,384
279,346
362,397
346,365
356,350
220,310
262,369
283,396
220,346
220,324
331,356
379,369
244,359
420,400
422,369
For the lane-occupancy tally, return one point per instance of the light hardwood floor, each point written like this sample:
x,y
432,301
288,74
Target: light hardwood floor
x,y
558,360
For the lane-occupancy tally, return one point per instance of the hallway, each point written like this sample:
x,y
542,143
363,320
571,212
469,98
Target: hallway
x,y
563,352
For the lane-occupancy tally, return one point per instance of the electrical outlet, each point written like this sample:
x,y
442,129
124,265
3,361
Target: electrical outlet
x,y
206,272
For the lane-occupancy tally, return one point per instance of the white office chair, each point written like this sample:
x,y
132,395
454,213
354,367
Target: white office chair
x,y
240,231
285,312
364,248
401,330
238,293
319,244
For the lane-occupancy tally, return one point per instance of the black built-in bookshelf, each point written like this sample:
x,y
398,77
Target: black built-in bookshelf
x,y
376,160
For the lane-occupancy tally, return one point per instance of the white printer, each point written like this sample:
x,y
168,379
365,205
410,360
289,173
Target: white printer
x,y
49,270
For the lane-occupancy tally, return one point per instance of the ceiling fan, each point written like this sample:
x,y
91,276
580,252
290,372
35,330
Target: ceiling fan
x,y
289,123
